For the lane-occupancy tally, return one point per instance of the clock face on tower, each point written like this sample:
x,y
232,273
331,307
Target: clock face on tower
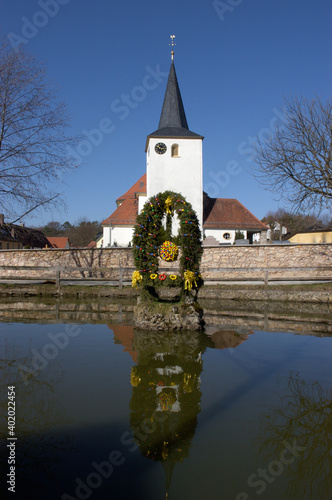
x,y
160,148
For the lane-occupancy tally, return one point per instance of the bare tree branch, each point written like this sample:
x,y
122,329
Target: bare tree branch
x,y
34,148
41,203
296,162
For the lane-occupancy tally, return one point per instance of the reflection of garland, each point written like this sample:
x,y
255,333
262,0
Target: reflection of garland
x,y
150,239
167,398
166,393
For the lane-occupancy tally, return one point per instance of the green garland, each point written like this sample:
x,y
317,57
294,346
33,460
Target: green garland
x,y
149,235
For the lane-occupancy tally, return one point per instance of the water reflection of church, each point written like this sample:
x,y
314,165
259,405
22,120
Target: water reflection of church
x,y
166,392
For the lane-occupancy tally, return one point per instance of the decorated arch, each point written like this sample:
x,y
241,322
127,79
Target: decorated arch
x,y
153,240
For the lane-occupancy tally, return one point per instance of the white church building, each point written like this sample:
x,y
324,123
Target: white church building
x,y
174,161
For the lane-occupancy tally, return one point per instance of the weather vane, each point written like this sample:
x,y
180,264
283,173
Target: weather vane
x,y
172,44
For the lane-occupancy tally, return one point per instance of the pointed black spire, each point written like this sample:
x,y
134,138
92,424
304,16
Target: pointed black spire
x,y
172,114
173,121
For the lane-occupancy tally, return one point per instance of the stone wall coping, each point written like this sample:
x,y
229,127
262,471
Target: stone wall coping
x,y
129,249
62,249
268,245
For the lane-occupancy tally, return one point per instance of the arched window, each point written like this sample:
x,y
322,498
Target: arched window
x,y
175,150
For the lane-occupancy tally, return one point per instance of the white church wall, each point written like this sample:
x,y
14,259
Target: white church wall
x,y
141,200
182,174
106,236
100,242
221,235
120,236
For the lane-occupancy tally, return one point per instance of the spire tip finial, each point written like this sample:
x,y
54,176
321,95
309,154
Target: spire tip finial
x,y
172,44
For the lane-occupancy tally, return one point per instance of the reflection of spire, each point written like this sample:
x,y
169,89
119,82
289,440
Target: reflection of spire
x,y
168,469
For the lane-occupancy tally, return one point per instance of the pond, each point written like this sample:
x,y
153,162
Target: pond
x,y
104,411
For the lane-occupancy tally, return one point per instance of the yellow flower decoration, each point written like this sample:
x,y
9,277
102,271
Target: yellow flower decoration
x,y
173,277
189,280
168,204
136,278
153,276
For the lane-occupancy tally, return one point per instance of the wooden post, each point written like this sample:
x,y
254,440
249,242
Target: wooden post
x,y
266,277
120,312
57,278
120,278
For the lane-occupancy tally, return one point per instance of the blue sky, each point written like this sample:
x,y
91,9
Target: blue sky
x,y
235,61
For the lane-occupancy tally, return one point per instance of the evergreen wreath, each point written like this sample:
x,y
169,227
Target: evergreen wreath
x,y
150,235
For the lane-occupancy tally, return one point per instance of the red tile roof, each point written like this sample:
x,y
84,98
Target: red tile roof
x,y
58,241
228,213
223,213
138,187
124,215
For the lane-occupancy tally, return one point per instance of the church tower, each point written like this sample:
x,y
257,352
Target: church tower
x,y
174,162
174,158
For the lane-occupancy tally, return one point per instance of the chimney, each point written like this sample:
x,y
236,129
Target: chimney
x,y
2,219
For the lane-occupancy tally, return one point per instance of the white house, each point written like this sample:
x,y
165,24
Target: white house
x,y
174,161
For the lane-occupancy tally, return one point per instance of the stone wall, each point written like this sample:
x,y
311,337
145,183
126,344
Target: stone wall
x,y
71,262
218,263
281,261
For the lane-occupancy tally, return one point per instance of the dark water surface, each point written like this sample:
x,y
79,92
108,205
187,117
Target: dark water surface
x,y
105,412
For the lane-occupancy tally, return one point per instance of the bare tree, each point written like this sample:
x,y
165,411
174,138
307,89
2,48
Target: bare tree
x,y
292,222
302,416
296,161
33,144
84,232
